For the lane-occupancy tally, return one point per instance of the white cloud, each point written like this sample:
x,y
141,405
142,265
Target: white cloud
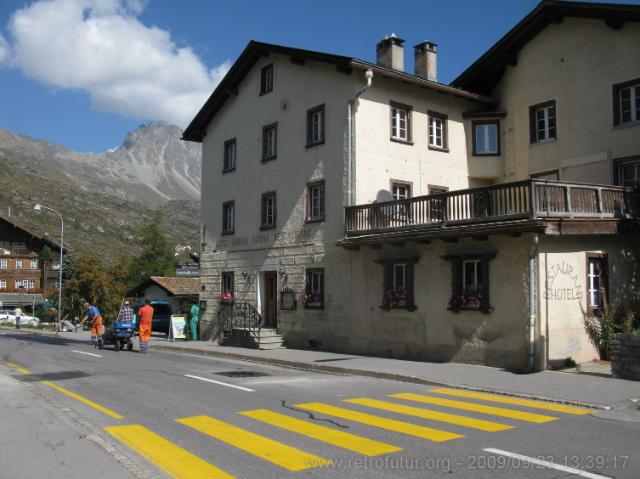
x,y
101,47
4,50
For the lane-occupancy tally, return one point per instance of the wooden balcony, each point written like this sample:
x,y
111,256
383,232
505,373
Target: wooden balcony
x,y
524,205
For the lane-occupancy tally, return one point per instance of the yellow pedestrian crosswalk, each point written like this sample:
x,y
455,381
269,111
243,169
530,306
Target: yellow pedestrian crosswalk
x,y
273,451
474,407
174,460
345,440
480,424
380,422
549,406
447,414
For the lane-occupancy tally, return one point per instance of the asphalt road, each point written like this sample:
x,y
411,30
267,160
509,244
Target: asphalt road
x,y
107,414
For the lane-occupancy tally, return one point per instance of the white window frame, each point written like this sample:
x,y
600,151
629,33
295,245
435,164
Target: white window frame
x,y
317,126
33,264
591,275
18,264
3,284
546,117
399,281
636,173
436,131
270,142
634,100
477,270
400,123
4,263
316,201
398,194
269,213
229,218
484,129
230,155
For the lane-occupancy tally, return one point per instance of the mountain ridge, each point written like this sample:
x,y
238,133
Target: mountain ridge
x,y
104,197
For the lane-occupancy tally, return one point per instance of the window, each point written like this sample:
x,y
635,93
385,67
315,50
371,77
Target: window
x,y
269,142
400,122
470,282
472,279
398,283
542,121
546,175
55,266
315,201
227,285
626,102
314,289
229,155
266,79
315,126
596,280
18,264
25,284
437,131
228,217
33,264
629,173
486,138
3,284
400,190
269,211
4,263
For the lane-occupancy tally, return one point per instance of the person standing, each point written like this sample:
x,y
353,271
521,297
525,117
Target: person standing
x,y
126,314
93,314
18,314
145,320
193,322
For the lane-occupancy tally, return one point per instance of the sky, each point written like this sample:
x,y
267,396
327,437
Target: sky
x,y
83,73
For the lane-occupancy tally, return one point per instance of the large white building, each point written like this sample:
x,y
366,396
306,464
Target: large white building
x,y
409,218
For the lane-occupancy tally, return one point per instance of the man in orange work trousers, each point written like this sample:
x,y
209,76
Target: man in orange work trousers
x,y
94,315
145,317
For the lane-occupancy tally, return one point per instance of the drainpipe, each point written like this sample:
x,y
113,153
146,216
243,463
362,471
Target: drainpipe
x,y
533,299
369,76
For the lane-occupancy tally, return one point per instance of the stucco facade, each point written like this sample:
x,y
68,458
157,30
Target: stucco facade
x,y
517,323
576,63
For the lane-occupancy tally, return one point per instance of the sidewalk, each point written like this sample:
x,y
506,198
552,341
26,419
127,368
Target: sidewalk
x,y
578,389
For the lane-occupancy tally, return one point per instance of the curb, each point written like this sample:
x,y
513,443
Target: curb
x,y
304,366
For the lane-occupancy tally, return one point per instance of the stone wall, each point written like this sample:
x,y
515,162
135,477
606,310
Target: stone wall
x,y
625,356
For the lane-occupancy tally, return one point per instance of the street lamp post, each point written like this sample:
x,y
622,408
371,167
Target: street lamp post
x,y
40,207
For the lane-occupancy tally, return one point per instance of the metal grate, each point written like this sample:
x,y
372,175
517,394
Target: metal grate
x,y
241,374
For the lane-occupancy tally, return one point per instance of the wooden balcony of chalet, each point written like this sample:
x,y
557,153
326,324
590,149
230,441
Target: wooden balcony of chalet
x,y
544,206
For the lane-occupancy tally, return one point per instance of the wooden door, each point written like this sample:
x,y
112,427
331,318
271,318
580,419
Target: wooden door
x,y
271,295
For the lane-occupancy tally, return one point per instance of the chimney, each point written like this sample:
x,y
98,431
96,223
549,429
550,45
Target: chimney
x,y
390,52
426,60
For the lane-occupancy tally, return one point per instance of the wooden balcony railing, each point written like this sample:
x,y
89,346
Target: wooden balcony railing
x,y
530,199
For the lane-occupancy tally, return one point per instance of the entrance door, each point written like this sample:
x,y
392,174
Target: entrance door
x,y
271,299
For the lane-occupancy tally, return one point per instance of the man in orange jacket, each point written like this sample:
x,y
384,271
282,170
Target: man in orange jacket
x,y
145,319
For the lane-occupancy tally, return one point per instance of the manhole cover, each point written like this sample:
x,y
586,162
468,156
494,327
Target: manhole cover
x,y
241,374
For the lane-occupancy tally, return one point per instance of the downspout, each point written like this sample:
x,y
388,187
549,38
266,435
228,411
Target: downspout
x,y
533,298
369,76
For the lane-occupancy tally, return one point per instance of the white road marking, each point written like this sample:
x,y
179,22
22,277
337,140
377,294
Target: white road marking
x,y
550,465
219,382
88,354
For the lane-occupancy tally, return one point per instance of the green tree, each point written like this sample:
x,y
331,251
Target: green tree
x,y
157,256
88,280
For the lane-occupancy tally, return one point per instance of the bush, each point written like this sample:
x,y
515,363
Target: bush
x,y
616,319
